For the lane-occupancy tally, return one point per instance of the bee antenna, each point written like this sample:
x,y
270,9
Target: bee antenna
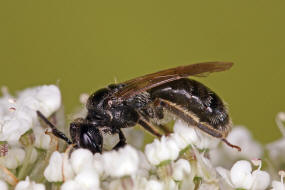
x,y
55,131
231,145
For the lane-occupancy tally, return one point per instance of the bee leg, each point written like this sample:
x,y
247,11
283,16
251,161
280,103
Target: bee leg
x,y
147,126
231,145
55,131
164,129
188,118
122,141
158,113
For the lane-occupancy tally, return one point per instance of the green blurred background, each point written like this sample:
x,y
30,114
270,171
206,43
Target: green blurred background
x,y
85,45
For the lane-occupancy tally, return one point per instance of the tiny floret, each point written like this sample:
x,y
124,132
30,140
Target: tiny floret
x,y
154,185
71,185
193,136
88,179
81,159
29,185
180,169
14,158
57,165
162,150
241,176
3,185
277,185
123,162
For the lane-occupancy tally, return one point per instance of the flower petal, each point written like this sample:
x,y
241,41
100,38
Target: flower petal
x,y
261,180
241,174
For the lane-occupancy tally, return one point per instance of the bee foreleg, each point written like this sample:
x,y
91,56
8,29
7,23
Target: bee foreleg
x,y
122,140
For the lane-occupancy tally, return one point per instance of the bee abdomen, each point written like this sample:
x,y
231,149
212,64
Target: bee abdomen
x,y
195,98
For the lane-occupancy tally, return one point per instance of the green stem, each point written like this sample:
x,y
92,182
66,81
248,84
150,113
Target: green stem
x,y
23,172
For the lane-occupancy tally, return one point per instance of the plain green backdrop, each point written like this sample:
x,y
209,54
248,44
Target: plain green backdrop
x,y
85,45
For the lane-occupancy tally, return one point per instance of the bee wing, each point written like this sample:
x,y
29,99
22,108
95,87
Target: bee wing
x,y
146,82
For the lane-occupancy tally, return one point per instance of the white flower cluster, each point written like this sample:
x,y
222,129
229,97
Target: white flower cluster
x,y
168,148
242,176
242,137
18,117
186,159
18,114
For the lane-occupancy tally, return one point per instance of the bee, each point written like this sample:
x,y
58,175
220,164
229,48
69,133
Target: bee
x,y
146,101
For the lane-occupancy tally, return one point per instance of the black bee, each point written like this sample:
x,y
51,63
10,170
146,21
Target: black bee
x,y
145,100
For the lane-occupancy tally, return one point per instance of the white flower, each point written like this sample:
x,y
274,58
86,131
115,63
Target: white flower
x,y
279,185
14,124
170,185
280,118
188,182
154,185
58,163
276,149
120,184
88,179
137,183
120,163
204,167
14,158
194,136
180,168
187,133
144,166
205,186
98,163
81,159
3,185
6,102
115,163
41,139
71,185
240,136
46,98
241,176
162,150
11,129
29,185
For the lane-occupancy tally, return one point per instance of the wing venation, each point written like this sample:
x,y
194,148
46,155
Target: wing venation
x,y
146,82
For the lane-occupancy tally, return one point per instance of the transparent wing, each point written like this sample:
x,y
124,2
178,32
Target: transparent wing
x,y
146,82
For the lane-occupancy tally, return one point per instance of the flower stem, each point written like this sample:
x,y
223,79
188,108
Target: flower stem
x,y
23,171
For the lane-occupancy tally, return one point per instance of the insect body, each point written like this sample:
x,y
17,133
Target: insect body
x,y
145,100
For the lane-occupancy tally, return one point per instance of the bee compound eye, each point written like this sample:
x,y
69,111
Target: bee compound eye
x,y
92,140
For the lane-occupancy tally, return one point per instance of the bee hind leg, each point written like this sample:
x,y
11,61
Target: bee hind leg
x,y
181,113
165,129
